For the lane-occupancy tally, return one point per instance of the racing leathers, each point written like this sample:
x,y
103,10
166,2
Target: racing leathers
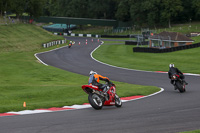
x,y
94,80
174,70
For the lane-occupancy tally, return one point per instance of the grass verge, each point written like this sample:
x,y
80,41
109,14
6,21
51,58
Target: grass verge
x,y
195,131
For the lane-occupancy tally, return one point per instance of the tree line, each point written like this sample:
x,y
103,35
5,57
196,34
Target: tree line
x,y
33,7
145,13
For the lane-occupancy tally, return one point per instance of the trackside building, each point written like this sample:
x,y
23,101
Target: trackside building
x,y
169,39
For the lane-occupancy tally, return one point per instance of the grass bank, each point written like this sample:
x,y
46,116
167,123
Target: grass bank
x,y
23,37
24,79
123,56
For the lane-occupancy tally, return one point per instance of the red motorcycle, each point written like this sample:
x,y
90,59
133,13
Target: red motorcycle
x,y
179,84
98,99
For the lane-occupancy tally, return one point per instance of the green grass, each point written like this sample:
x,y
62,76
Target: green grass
x,y
196,39
195,131
123,56
24,79
182,28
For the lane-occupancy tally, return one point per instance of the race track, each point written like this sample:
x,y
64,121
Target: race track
x,y
167,112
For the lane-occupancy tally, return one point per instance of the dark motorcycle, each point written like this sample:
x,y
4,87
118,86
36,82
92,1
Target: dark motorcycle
x,y
98,99
69,46
178,83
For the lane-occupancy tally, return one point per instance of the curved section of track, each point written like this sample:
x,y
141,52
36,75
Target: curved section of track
x,y
166,112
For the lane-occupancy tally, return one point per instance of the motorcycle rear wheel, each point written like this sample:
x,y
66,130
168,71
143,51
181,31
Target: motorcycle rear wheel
x,y
95,101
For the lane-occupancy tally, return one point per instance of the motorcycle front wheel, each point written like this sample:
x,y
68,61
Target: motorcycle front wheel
x,y
95,101
118,102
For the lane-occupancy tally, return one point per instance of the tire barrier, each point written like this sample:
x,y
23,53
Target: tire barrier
x,y
97,36
165,50
53,43
115,36
79,35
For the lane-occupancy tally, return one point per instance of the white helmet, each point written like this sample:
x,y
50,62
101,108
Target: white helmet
x,y
171,65
92,72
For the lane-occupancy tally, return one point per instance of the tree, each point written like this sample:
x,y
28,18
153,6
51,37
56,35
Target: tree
x,y
170,8
185,15
5,6
196,7
152,9
74,8
18,7
123,11
135,12
35,7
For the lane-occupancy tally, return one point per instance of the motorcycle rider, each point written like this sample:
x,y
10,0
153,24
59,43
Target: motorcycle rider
x,y
94,80
174,70
70,43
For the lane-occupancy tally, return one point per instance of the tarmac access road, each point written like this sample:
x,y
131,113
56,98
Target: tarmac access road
x,y
166,112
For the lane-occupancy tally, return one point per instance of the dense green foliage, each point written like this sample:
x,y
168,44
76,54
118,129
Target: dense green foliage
x,y
141,12
145,13
33,7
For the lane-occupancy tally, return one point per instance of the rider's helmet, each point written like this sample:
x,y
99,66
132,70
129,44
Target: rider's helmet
x,y
92,72
171,65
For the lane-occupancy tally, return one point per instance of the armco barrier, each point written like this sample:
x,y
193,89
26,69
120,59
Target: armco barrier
x,y
164,50
57,42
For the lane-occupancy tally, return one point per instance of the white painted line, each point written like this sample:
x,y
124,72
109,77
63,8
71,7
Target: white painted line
x,y
191,74
24,112
161,90
78,106
40,60
45,52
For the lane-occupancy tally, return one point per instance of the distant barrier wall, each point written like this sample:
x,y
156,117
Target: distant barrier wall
x,y
115,36
164,50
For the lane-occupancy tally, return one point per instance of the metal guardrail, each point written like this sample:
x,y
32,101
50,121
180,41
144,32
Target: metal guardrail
x,y
53,43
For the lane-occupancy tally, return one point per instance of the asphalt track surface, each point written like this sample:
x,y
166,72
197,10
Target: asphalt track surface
x,y
166,112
